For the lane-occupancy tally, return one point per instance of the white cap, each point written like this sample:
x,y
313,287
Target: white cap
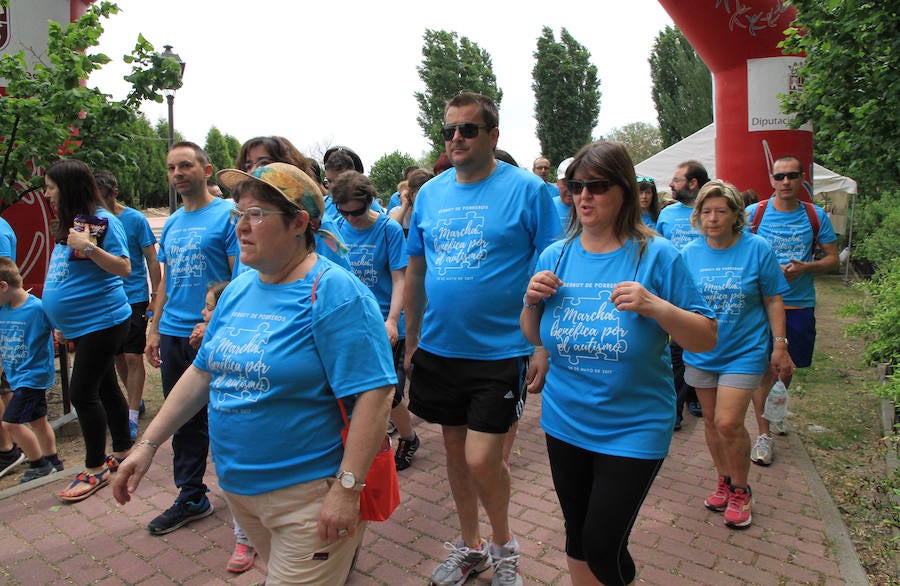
x,y
561,170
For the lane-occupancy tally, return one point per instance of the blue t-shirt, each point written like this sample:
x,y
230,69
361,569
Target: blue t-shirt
x,y
278,361
26,345
139,235
195,247
7,240
478,240
394,202
674,223
791,236
733,282
374,253
562,211
79,297
610,389
647,218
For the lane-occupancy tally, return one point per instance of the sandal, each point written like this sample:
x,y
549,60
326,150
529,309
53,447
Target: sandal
x,y
94,481
112,462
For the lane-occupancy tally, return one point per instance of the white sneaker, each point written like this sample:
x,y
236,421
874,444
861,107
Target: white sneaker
x,y
461,563
778,427
764,451
506,564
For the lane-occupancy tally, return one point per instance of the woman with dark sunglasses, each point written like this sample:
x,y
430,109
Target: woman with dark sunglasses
x,y
603,302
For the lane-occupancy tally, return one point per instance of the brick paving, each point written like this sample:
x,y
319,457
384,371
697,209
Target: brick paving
x,y
796,537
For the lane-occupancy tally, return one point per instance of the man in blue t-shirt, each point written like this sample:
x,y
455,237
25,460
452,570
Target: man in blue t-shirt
x,y
674,223
786,225
198,246
142,252
473,234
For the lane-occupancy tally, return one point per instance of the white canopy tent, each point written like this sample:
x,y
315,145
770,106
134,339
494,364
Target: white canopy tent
x,y
835,191
828,187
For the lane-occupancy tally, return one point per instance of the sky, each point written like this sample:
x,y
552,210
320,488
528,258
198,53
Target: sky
x,y
344,73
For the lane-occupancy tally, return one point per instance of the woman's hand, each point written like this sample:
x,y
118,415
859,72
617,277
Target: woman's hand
x,y
131,471
781,362
78,240
538,367
340,514
541,286
197,334
632,296
392,332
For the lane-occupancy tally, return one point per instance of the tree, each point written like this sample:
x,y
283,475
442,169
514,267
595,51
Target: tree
x,y
388,171
682,87
567,95
217,149
47,112
450,64
850,79
642,140
234,148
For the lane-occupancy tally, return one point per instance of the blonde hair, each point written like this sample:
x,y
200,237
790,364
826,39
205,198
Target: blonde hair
x,y
732,196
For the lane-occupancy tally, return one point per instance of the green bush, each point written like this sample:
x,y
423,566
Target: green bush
x,y
876,229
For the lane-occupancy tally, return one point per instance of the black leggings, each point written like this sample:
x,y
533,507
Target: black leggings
x,y
600,496
96,395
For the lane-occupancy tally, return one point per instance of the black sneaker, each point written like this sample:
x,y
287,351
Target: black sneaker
x,y
35,472
405,451
57,466
9,460
179,515
695,408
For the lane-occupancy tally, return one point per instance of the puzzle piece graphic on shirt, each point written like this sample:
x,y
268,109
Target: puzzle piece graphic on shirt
x,y
459,243
243,350
723,293
589,328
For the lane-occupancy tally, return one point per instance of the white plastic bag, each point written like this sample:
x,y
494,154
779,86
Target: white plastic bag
x,y
776,402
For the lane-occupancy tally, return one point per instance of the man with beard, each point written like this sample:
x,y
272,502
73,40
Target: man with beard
x,y
674,224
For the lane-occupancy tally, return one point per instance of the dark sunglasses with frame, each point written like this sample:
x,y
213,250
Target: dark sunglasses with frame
x,y
792,175
594,186
466,130
354,213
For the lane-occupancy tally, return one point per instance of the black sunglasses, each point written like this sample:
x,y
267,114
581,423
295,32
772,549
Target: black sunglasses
x,y
354,213
790,175
594,186
466,130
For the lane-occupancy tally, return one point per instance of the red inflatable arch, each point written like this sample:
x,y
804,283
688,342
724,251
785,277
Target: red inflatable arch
x,y
738,41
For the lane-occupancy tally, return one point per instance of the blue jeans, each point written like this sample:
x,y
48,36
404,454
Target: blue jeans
x,y
190,444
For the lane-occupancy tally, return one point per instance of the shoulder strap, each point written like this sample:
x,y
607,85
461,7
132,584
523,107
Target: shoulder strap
x,y
813,222
340,402
758,216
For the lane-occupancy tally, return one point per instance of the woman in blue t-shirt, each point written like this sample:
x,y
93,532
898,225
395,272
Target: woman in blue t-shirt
x,y
738,275
603,303
85,299
286,342
649,201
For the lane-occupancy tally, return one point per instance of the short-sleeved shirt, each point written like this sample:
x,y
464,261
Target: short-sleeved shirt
x,y
733,282
791,237
562,211
374,253
195,247
79,297
610,388
26,345
278,362
674,224
7,240
479,241
140,235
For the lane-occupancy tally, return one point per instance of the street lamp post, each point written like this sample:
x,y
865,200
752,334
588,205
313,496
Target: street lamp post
x,y
170,99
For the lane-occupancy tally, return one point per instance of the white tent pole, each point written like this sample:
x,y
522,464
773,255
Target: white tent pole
x,y
850,239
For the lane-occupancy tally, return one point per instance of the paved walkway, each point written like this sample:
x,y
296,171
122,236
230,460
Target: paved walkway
x,y
797,536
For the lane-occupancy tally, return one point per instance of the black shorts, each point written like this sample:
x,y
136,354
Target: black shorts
x,y
136,340
485,395
26,405
399,389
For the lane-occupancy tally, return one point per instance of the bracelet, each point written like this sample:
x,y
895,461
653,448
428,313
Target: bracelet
x,y
147,442
526,304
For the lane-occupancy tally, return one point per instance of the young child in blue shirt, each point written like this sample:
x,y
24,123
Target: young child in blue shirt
x,y
26,346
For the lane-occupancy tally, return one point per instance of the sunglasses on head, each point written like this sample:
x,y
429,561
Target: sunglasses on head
x,y
354,213
466,130
644,179
790,175
594,186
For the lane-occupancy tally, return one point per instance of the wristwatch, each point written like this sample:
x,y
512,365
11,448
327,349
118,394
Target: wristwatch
x,y
780,339
89,249
348,480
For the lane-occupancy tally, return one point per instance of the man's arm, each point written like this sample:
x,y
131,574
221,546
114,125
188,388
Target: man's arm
x,y
413,304
154,272
827,263
152,348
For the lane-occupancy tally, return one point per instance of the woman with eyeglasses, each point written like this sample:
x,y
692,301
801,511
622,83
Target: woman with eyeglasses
x,y
649,201
738,274
378,257
285,343
603,303
264,150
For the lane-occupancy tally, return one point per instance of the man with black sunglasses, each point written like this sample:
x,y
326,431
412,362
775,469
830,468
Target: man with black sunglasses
x,y
473,233
792,227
